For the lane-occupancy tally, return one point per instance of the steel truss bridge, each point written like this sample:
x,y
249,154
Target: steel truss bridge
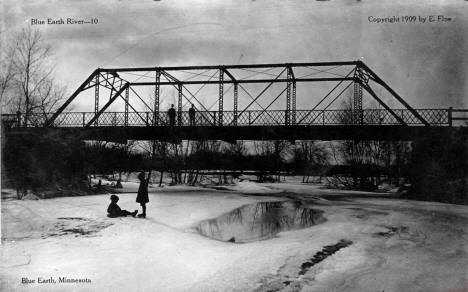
x,y
229,122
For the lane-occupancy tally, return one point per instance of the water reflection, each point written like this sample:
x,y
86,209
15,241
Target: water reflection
x,y
260,221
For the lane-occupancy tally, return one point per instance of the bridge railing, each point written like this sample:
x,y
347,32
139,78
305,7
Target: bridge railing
x,y
437,117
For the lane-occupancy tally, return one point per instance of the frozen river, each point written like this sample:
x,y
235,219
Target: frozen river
x,y
194,240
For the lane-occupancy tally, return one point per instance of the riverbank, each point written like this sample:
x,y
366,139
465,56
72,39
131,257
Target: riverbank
x,y
391,244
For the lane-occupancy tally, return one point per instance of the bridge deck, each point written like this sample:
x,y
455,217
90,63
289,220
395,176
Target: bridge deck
x,y
231,134
245,125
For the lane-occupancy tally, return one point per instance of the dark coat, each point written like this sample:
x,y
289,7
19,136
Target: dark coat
x,y
172,113
114,210
191,113
142,196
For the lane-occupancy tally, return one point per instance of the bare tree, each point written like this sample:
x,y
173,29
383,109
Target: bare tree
x,y
27,86
238,149
277,151
308,157
158,154
368,161
6,74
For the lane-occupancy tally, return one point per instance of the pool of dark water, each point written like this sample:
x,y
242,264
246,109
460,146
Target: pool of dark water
x,y
260,221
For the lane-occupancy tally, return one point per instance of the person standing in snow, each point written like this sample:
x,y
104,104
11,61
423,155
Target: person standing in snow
x,y
142,196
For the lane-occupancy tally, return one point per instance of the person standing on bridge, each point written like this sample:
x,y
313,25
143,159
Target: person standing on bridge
x,y
172,114
192,115
142,196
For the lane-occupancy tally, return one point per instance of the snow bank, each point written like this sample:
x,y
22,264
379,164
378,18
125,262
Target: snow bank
x,y
249,187
30,196
397,245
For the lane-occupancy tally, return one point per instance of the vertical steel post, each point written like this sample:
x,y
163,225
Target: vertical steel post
x,y
221,96
293,120
288,98
357,104
96,98
236,92
179,106
450,113
127,100
156,99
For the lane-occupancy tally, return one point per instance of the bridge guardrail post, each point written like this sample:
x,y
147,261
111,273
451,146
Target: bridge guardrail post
x,y
83,118
214,118
450,113
249,118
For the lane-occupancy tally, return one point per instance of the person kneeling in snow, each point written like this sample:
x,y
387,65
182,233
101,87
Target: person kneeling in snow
x,y
114,210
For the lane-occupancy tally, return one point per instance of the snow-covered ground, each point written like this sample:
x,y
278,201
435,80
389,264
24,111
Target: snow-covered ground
x,y
397,245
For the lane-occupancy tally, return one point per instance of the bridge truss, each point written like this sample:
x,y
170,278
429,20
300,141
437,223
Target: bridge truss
x,y
118,84
255,101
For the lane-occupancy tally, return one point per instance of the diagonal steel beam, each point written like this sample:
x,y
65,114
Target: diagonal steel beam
x,y
127,104
139,97
169,76
377,79
228,73
134,110
177,82
325,97
126,100
251,97
263,91
265,109
117,94
329,104
82,87
374,95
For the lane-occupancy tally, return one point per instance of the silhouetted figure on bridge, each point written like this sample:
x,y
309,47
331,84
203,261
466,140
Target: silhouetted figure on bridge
x,y
142,196
192,115
172,115
114,210
18,118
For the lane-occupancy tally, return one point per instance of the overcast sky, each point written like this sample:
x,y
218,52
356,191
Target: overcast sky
x,y
425,62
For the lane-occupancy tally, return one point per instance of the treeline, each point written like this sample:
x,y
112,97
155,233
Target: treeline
x,y
40,163
434,166
439,168
32,162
